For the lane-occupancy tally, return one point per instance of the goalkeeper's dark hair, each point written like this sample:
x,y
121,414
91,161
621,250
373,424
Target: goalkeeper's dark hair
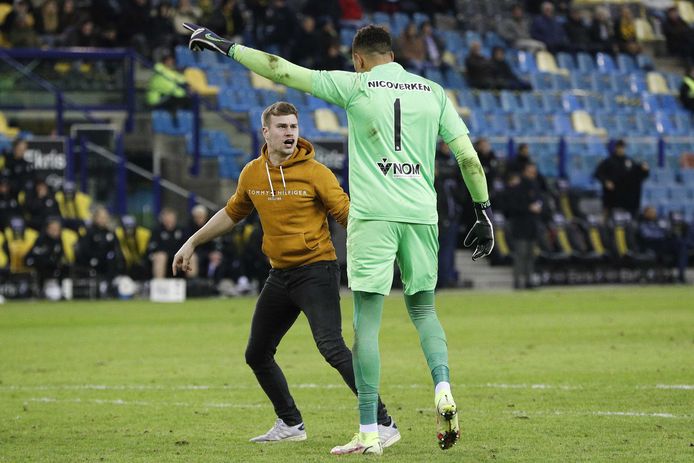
x,y
372,39
280,108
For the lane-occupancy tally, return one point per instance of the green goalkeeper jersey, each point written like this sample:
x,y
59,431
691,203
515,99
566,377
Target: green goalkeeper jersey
x,y
395,119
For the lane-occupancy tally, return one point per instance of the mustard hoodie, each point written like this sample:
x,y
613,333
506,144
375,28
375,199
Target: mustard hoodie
x,y
293,200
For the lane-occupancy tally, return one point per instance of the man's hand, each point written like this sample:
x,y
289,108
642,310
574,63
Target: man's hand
x,y
182,258
481,233
203,38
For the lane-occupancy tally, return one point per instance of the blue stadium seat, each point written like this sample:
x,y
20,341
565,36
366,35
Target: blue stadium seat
x,y
655,194
295,97
217,78
668,103
497,123
566,61
626,63
637,83
162,122
381,18
209,60
687,176
605,63
532,102
562,125
684,122
435,75
455,80
239,79
673,81
591,102
526,62
665,126
647,124
488,102
542,81
315,103
509,101
582,81
560,82
185,121
492,39
473,36
661,175
229,167
604,82
420,18
184,57
452,40
650,102
569,102
644,62
585,62
551,102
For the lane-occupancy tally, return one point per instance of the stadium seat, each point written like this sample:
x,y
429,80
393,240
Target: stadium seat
x,y
585,62
267,97
461,110
295,97
532,102
551,102
644,62
637,83
488,101
260,82
184,57
545,63
569,102
583,123
566,61
542,81
582,81
435,75
381,18
526,62
509,101
454,79
605,63
644,30
626,63
163,123
327,121
5,129
686,11
657,83
197,81
562,124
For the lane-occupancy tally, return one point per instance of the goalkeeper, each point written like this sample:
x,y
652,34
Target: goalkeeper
x,y
395,118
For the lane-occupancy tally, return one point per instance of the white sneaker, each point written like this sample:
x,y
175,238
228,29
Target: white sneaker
x,y
388,435
280,432
359,446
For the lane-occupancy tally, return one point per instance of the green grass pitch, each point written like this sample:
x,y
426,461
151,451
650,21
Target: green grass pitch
x,y
588,374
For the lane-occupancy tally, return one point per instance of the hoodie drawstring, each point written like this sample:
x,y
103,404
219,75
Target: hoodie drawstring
x,y
269,180
284,185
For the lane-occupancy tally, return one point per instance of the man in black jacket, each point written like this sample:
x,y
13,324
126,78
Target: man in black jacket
x,y
621,178
523,212
47,256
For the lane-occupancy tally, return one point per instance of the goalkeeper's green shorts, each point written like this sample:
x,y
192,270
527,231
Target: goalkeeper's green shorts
x,y
373,245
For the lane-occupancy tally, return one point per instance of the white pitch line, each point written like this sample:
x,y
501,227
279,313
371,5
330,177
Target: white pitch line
x,y
203,387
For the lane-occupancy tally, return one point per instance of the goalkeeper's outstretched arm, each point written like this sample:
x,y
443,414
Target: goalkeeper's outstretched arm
x,y
270,66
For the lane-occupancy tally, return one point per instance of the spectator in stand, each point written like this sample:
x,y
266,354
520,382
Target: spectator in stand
x,y
656,236
108,38
162,34
578,32
434,47
601,31
69,16
133,241
411,50
4,257
493,167
307,48
9,206
621,178
351,10
323,11
451,195
548,30
20,240
332,59
185,12
136,26
209,255
503,76
19,26
478,68
97,251
165,241
625,32
687,90
679,35
20,171
48,22
49,256
523,212
74,206
40,204
523,158
276,27
167,87
516,31
234,23
84,35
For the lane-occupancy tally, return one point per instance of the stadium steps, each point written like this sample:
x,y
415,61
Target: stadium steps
x,y
481,274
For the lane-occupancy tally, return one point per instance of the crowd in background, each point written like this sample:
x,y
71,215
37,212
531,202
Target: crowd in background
x,y
57,234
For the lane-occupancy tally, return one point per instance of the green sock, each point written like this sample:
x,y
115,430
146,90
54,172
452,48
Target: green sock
x,y
368,308
420,306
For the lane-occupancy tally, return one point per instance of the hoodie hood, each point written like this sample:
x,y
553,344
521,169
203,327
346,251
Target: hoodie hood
x,y
303,152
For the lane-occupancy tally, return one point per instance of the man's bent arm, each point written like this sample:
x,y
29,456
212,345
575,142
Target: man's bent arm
x,y
273,67
471,168
219,224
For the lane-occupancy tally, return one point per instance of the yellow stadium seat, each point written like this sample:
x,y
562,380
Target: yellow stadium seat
x,y
5,129
453,96
197,81
326,121
261,82
657,83
644,30
546,63
685,9
5,9
583,123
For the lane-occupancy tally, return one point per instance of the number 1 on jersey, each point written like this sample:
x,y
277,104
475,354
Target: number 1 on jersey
x,y
397,125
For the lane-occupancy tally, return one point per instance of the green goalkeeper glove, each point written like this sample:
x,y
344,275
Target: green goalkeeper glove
x,y
203,38
481,232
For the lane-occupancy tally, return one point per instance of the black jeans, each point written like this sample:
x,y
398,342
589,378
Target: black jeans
x,y
315,290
